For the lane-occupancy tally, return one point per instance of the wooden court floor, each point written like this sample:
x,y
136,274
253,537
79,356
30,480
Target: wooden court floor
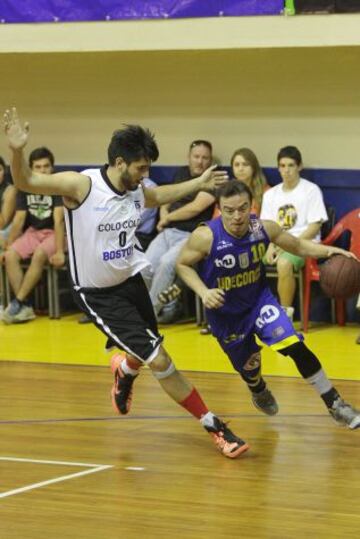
x,y
70,468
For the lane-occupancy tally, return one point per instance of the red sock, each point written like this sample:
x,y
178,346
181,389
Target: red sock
x,y
194,404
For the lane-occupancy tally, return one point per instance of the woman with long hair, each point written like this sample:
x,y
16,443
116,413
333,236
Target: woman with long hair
x,y
246,168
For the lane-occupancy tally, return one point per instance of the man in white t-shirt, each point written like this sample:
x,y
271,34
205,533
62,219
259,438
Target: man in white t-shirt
x,y
297,206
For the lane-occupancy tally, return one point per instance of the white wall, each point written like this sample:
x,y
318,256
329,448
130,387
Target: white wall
x,y
261,98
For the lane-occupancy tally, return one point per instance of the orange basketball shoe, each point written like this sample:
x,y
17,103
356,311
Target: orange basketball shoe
x,y
225,440
121,392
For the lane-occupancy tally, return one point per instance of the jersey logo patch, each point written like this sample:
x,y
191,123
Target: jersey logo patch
x,y
278,332
227,261
223,244
244,260
234,337
268,314
154,338
123,207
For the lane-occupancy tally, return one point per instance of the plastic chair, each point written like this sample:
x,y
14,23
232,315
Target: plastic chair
x,y
4,286
299,275
351,223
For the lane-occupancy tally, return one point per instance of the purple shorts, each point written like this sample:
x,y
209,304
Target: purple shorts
x,y
267,320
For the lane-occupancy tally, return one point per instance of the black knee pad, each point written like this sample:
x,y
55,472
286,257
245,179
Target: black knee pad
x,y
305,360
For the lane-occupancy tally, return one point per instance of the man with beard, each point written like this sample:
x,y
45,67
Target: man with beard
x,y
102,211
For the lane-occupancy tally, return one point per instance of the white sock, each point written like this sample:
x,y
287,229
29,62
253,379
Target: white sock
x,y
207,420
128,370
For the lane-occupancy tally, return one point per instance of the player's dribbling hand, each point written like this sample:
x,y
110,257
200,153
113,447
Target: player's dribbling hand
x,y
16,133
338,251
213,298
211,178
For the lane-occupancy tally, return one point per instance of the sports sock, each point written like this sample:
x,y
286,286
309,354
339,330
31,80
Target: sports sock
x,y
207,420
258,387
194,404
22,302
324,387
127,369
310,368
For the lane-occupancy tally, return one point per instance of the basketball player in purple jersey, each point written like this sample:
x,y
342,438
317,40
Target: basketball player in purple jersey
x,y
239,305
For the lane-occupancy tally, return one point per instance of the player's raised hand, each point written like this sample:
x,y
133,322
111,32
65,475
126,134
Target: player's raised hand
x,y
213,298
17,134
212,178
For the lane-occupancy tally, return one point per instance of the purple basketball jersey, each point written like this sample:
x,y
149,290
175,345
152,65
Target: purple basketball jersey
x,y
235,265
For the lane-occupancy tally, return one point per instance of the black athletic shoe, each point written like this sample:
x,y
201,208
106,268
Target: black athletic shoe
x,y
225,440
121,392
265,402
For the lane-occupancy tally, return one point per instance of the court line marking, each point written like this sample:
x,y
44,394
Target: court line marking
x,y
93,469
252,415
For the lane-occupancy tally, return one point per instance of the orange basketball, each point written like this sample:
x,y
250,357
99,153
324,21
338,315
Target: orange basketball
x,y
340,277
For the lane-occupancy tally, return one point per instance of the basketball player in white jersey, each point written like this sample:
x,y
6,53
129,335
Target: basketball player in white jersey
x,y
102,211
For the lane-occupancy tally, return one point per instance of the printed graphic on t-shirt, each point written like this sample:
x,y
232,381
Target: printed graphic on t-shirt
x,y
40,206
287,216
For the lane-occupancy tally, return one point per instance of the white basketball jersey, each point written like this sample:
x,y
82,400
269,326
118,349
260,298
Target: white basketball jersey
x,y
103,249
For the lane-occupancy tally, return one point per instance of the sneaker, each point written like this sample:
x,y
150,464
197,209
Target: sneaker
x,y
345,414
205,331
169,294
227,443
265,402
121,392
11,310
16,313
25,314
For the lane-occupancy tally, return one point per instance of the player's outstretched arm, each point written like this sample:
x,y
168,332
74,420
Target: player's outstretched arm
x,y
299,246
165,194
68,184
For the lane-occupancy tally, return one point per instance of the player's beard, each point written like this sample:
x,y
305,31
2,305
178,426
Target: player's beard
x,y
128,181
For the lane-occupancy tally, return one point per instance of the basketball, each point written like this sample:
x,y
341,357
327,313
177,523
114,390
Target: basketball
x,y
340,277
